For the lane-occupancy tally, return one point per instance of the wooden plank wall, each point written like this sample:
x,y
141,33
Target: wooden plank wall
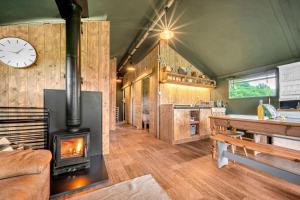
x,y
113,92
153,92
24,87
137,104
179,94
127,107
171,58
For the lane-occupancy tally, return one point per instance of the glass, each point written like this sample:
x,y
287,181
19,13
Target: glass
x,y
72,147
258,85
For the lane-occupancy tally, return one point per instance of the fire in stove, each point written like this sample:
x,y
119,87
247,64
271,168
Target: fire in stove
x,y
71,148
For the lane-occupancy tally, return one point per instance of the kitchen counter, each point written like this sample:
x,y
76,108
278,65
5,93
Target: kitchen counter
x,y
183,123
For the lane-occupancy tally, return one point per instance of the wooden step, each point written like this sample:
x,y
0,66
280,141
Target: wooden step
x,y
263,148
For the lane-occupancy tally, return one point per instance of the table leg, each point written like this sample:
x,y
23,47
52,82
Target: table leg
x,y
214,143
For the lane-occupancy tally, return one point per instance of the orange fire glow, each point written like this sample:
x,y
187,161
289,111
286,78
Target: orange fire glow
x,y
72,147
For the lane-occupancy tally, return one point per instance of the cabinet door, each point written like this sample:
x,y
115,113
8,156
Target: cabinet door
x,y
204,121
181,124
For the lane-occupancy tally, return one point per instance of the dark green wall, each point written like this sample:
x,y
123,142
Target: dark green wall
x,y
223,37
245,106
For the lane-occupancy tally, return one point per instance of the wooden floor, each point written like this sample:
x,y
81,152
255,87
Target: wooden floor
x,y
187,171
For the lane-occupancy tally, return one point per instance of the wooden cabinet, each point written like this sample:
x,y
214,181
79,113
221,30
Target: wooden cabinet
x,y
184,124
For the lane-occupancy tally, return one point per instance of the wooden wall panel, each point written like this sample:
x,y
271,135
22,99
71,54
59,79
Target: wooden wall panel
x,y
24,87
52,56
92,56
84,55
62,82
36,73
179,94
113,92
18,78
103,79
153,91
4,71
171,58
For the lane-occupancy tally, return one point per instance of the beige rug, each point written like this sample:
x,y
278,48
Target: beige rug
x,y
140,188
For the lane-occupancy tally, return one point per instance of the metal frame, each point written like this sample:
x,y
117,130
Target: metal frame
x,y
224,155
28,126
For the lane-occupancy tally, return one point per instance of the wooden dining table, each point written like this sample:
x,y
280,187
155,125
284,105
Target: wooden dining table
x,y
271,127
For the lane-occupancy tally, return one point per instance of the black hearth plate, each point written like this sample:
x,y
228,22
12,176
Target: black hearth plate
x,y
80,180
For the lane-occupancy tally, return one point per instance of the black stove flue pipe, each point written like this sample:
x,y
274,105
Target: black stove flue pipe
x,y
73,69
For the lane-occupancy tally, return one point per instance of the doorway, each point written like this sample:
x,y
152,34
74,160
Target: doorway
x,y
145,103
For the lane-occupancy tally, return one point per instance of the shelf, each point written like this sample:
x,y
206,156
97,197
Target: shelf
x,y
188,84
186,80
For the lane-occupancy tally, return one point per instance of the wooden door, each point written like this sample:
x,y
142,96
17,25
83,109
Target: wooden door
x,y
137,104
181,124
204,121
127,107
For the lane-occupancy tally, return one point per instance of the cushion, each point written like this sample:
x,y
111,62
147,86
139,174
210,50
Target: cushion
x,y
23,162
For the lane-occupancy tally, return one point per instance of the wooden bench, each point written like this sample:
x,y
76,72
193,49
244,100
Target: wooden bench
x,y
223,155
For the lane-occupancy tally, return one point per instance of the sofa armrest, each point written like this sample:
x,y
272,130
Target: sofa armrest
x,y
24,162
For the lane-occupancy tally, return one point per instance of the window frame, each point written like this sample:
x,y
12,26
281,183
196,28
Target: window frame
x,y
267,75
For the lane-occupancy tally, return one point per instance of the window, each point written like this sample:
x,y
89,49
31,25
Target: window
x,y
256,85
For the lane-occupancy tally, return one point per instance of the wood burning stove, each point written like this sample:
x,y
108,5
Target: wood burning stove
x,y
70,147
70,151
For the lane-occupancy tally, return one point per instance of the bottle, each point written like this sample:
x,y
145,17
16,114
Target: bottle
x,y
298,106
260,110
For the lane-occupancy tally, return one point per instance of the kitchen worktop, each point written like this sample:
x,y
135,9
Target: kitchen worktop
x,y
191,106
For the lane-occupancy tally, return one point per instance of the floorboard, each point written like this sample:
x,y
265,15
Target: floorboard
x,y
187,171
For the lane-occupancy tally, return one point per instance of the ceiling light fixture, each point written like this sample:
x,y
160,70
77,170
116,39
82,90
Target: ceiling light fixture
x,y
119,80
130,68
166,34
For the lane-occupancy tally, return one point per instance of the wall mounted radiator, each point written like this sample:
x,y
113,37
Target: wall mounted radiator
x,y
25,126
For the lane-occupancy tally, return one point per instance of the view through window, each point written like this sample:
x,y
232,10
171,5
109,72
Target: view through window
x,y
257,85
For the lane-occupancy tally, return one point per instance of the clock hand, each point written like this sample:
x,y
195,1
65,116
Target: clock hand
x,y
19,51
12,52
16,52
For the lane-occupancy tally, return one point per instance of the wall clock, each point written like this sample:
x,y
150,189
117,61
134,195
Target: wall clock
x,y
16,52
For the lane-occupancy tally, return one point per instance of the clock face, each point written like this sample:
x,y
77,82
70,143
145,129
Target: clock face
x,y
16,52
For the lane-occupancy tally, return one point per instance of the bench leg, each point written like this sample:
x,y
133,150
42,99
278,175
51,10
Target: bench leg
x,y
233,150
222,160
245,150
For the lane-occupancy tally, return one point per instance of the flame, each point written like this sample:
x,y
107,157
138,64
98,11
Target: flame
x,y
79,146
